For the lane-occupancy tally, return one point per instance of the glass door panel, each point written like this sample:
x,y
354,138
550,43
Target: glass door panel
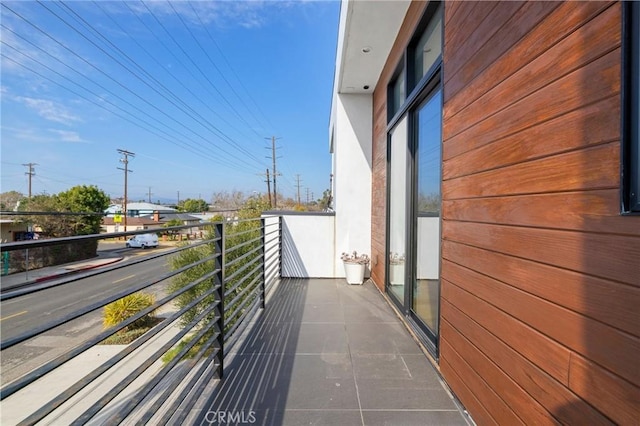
x,y
397,210
426,288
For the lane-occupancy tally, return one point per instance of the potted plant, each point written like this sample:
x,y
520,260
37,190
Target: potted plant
x,y
396,269
354,267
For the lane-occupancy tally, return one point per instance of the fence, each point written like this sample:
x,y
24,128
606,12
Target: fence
x,y
212,290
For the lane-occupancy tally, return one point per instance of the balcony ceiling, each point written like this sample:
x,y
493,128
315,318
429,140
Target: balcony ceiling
x,y
372,26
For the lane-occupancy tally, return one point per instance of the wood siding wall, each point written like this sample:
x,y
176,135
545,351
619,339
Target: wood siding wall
x,y
540,308
540,274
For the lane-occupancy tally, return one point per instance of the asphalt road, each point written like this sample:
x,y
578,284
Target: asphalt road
x,y
24,313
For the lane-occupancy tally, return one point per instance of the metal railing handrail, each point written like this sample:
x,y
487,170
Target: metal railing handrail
x,y
222,312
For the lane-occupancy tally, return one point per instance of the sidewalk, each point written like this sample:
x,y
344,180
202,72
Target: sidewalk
x,y
36,276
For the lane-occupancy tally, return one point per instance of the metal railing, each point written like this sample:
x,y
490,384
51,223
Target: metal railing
x,y
212,290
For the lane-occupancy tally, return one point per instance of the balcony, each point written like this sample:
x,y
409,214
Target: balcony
x,y
270,347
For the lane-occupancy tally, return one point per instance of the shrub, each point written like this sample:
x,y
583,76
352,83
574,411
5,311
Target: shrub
x,y
128,306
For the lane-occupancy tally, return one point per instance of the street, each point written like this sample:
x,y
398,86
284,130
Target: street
x,y
27,312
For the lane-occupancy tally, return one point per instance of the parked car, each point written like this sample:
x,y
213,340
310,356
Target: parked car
x,y
143,241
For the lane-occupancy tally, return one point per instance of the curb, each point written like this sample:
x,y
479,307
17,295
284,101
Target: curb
x,y
45,278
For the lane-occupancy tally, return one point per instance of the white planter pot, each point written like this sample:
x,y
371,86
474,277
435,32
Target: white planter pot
x,y
354,272
396,274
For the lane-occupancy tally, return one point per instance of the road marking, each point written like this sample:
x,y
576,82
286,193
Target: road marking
x,y
14,315
123,279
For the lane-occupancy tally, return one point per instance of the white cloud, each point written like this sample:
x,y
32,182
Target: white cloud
x,y
49,110
67,136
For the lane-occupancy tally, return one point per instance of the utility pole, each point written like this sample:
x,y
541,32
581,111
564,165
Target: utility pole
x,y
298,186
275,172
308,195
268,181
31,173
150,194
125,160
178,203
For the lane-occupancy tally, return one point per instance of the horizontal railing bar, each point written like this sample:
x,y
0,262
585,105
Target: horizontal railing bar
x,y
23,213
96,305
102,402
151,411
244,256
246,276
246,243
246,231
171,393
232,340
63,358
270,279
275,231
254,294
103,270
46,242
97,372
229,305
140,395
269,252
204,381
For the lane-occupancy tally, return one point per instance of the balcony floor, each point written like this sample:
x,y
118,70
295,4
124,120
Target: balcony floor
x,y
326,353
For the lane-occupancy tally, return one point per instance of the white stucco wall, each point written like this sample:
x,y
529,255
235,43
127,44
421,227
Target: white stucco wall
x,y
352,160
308,246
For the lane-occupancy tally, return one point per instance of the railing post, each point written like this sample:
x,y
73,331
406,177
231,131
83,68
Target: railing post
x,y
280,247
263,285
219,282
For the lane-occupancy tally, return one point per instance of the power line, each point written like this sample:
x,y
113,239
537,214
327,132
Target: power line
x,y
149,85
152,105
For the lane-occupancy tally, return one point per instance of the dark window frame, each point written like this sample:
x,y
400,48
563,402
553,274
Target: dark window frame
x,y
415,94
630,170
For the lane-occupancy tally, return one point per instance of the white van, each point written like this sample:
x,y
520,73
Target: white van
x,y
143,241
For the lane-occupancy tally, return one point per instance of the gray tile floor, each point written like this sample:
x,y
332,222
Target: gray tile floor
x,y
326,353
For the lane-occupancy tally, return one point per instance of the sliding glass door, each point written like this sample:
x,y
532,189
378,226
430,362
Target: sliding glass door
x,y
414,111
426,283
398,156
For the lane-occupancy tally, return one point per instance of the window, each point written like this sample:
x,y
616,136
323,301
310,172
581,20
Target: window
x,y
428,48
397,94
631,108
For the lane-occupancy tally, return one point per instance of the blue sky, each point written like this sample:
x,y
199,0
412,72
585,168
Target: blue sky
x,y
192,88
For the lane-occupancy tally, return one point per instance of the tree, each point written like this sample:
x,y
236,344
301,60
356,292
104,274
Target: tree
x,y
80,199
85,199
77,211
239,240
9,200
192,206
173,222
325,201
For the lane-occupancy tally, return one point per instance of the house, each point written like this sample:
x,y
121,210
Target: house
x,y
12,230
138,209
155,220
495,150
110,225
